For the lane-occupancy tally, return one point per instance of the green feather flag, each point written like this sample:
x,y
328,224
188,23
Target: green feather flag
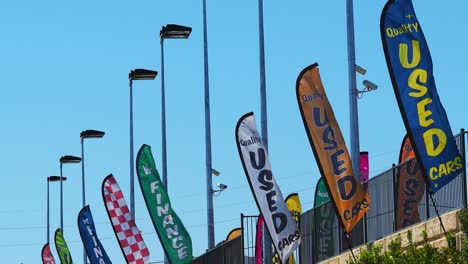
x,y
62,248
174,237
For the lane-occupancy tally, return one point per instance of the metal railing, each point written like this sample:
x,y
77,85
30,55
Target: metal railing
x,y
322,236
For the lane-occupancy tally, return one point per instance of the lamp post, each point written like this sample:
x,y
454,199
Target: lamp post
x,y
353,96
137,74
170,31
267,252
64,159
86,134
353,107
263,103
209,197
50,179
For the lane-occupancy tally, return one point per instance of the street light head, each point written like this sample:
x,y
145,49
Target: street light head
x,y
69,159
172,31
360,70
142,74
92,134
56,178
370,85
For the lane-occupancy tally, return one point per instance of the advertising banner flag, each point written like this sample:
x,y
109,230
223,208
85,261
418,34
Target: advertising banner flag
x,y
323,225
350,199
234,233
324,232
94,249
259,241
282,228
321,193
410,187
364,163
62,248
47,257
409,63
174,238
294,205
127,233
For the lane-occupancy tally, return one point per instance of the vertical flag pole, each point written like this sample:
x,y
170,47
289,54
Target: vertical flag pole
x,y
437,212
462,152
394,189
349,244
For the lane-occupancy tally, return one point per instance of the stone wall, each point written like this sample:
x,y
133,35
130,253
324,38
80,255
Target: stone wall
x,y
432,226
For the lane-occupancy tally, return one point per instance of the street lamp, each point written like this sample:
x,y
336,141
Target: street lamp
x,y
170,31
86,134
50,179
137,74
65,159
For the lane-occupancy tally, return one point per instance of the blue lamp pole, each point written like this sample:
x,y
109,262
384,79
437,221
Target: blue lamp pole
x,y
209,194
267,252
86,134
263,101
137,74
50,179
170,31
64,159
353,107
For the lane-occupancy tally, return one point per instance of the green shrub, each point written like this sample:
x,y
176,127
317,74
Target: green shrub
x,y
419,253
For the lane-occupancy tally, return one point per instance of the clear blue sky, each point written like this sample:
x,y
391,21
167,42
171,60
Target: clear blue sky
x,y
64,68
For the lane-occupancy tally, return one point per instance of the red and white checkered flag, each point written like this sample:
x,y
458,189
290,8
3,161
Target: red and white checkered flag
x,y
129,237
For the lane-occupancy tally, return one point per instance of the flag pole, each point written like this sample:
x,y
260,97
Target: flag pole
x,y
349,244
437,211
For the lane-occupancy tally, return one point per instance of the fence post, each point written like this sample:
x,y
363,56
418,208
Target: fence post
x,y
242,238
462,152
395,197
223,253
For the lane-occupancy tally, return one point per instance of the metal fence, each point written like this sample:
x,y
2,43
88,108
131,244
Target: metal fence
x,y
322,236
228,252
